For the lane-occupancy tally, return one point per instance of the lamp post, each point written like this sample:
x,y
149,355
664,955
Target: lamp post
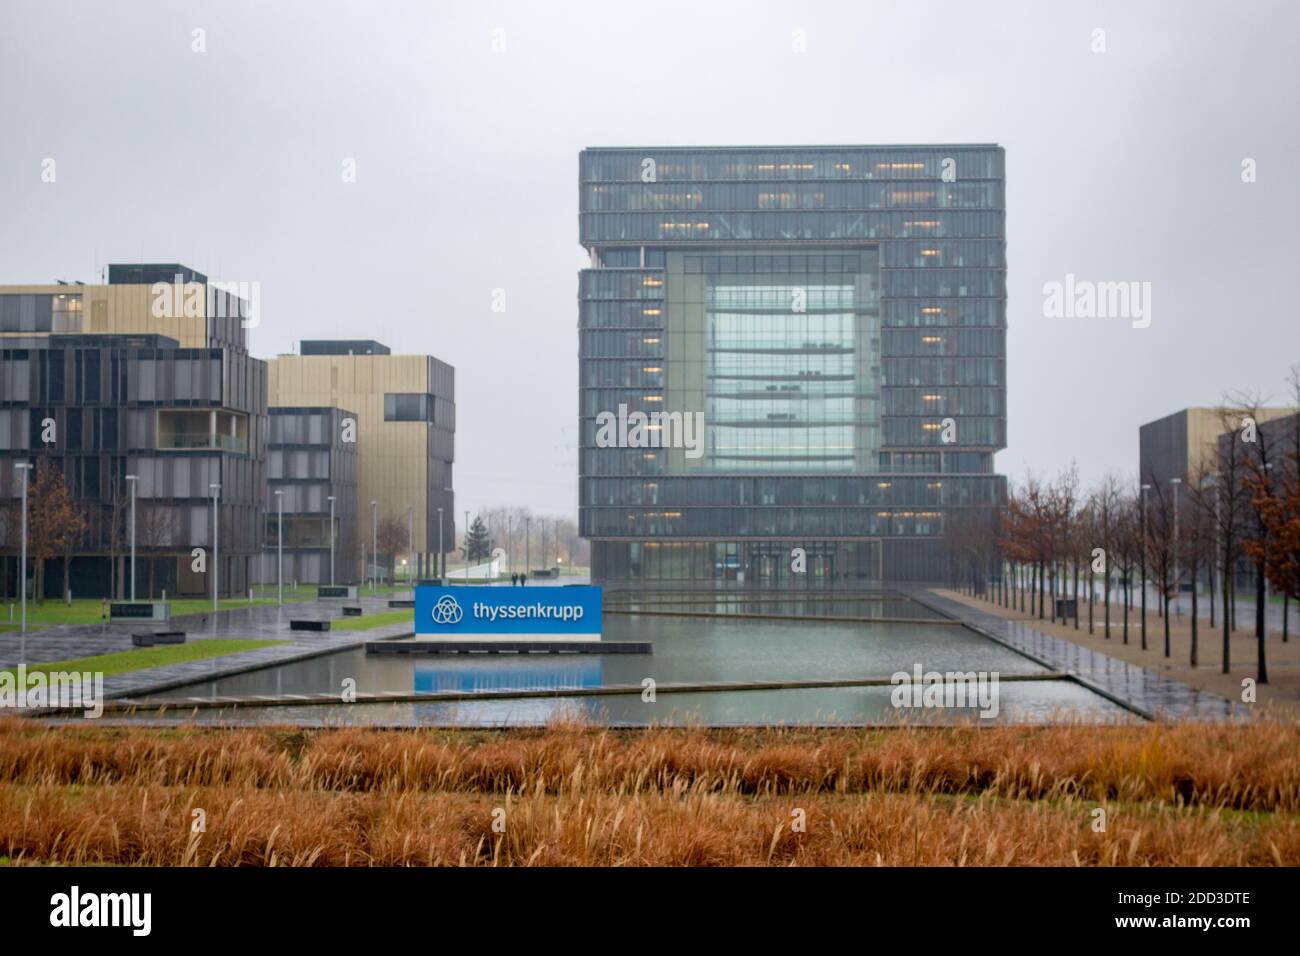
x,y
374,542
1261,590
279,548
1177,576
24,467
442,564
331,501
1145,488
216,544
132,479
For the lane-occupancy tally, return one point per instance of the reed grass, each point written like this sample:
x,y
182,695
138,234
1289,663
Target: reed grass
x,y
569,794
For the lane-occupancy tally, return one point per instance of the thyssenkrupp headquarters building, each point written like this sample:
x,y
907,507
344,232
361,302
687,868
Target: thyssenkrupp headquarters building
x,y
834,320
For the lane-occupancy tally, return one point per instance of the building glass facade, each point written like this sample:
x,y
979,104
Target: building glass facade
x,y
832,320
181,419
309,459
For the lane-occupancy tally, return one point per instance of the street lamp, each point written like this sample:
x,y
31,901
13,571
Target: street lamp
x,y
279,547
442,563
1262,591
24,467
132,479
216,544
1177,579
1145,489
374,542
331,501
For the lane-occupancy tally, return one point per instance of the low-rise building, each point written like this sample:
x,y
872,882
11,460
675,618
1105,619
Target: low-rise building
x,y
405,439
116,391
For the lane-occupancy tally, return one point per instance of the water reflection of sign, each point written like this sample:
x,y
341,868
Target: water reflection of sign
x,y
534,675
469,612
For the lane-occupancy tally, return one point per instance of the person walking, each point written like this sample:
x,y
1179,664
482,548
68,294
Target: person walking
x,y
514,580
523,579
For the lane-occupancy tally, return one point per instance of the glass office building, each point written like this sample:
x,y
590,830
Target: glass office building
x,y
788,348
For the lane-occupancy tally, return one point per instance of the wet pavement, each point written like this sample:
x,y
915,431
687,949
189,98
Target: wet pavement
x,y
256,623
1143,691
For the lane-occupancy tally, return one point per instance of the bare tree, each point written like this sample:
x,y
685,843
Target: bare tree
x,y
394,536
1230,513
55,523
1106,502
156,529
1260,457
1160,553
1127,544
1196,544
1015,538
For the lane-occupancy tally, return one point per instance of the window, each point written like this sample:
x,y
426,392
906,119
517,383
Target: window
x,y
408,407
26,313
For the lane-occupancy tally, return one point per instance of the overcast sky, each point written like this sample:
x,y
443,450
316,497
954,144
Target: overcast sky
x,y
1121,165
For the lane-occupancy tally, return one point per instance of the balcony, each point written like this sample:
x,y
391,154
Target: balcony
x,y
204,429
218,442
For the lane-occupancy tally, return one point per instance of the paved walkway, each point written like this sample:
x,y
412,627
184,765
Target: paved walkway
x,y
1182,605
262,622
1147,693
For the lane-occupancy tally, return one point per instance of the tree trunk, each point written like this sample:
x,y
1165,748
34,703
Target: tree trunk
x,y
1259,601
1051,591
1144,604
1105,596
1091,596
1226,584
1076,595
1209,577
1128,594
1194,616
1259,625
1164,605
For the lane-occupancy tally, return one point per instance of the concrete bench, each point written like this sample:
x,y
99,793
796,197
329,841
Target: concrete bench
x,y
157,637
337,591
401,602
308,625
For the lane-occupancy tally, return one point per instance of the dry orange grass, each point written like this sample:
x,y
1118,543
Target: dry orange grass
x,y
573,795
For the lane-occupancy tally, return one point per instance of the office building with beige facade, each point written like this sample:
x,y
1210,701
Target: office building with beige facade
x,y
1184,444
404,407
